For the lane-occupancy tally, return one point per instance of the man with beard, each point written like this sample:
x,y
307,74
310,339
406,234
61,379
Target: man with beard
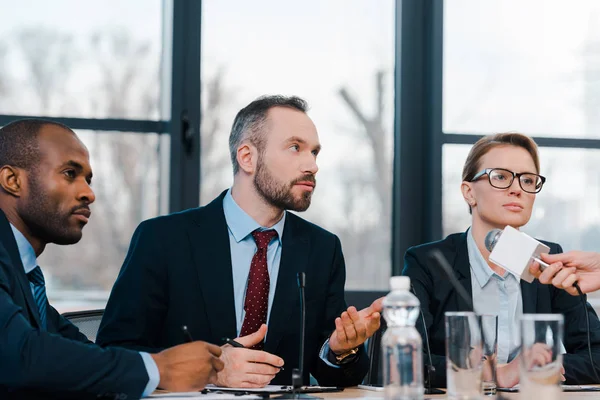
x,y
45,197
229,269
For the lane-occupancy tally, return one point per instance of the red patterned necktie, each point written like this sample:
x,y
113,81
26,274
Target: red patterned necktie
x,y
256,302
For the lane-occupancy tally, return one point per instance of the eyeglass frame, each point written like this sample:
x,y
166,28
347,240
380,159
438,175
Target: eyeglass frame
x,y
514,175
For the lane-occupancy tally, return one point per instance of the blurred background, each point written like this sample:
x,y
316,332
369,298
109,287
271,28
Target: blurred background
x,y
399,91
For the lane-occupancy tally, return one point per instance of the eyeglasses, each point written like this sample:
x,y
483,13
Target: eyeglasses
x,y
501,178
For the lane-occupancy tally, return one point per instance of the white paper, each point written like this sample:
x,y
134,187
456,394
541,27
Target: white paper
x,y
199,395
266,389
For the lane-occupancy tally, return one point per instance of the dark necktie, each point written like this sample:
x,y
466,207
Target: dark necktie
x,y
39,292
256,302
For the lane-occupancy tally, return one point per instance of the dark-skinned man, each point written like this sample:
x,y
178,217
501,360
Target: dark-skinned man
x,y
45,197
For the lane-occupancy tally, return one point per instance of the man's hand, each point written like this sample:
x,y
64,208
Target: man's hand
x,y
354,327
567,268
188,367
246,368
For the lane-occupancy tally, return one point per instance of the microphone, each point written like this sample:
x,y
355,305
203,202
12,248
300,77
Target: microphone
x,y
513,250
297,373
492,238
439,258
429,389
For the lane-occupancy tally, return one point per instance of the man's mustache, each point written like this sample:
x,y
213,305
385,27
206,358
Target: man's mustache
x,y
306,178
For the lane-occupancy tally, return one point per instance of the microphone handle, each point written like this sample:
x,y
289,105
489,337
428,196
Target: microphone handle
x,y
543,265
297,374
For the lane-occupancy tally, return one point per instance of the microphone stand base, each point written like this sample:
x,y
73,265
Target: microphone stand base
x,y
434,391
296,396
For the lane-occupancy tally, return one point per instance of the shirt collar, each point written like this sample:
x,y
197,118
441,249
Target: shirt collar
x,y
241,224
26,251
479,266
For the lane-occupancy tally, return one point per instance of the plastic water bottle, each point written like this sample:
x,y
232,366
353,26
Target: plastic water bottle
x,y
401,344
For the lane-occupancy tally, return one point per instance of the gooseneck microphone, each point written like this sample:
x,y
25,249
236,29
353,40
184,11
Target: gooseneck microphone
x,y
439,258
297,372
429,389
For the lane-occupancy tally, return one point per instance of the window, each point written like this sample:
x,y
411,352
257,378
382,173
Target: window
x,y
531,66
70,58
73,59
339,56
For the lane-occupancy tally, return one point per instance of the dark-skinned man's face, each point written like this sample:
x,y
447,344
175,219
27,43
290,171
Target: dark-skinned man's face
x,y
55,203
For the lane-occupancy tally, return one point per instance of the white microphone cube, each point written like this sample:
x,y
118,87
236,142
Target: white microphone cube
x,y
514,251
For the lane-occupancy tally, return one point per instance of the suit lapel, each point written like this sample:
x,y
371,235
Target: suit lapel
x,y
294,259
463,271
209,242
8,240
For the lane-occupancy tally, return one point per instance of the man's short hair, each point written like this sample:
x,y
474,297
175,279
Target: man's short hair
x,y
18,142
250,120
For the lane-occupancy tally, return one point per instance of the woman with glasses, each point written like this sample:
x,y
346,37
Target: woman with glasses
x,y
501,179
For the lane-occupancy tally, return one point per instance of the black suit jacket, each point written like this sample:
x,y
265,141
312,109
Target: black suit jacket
x,y
437,296
59,362
178,272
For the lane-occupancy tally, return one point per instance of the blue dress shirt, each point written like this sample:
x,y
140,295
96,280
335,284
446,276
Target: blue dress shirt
x,y
29,261
242,245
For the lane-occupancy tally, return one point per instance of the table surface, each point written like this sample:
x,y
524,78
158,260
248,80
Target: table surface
x,y
355,393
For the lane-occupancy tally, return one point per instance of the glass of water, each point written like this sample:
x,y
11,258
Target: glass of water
x,y
464,355
541,358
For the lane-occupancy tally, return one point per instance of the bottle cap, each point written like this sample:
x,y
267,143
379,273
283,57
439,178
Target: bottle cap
x,y
400,283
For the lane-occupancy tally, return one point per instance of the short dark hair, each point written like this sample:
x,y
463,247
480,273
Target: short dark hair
x,y
18,142
250,120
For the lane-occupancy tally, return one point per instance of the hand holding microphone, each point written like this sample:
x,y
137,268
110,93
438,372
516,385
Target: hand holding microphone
x,y
568,268
514,251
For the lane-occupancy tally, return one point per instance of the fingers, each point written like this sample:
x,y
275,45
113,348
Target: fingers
x,y
376,306
554,258
560,277
247,368
534,269
253,338
217,364
339,330
256,356
548,274
373,324
262,369
570,281
349,318
214,349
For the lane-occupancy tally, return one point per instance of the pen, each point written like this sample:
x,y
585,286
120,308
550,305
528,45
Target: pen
x,y
238,344
186,333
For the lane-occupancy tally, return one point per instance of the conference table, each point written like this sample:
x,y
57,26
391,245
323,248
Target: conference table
x,y
355,393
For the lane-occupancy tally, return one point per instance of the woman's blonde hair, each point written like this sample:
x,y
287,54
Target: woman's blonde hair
x,y
485,144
